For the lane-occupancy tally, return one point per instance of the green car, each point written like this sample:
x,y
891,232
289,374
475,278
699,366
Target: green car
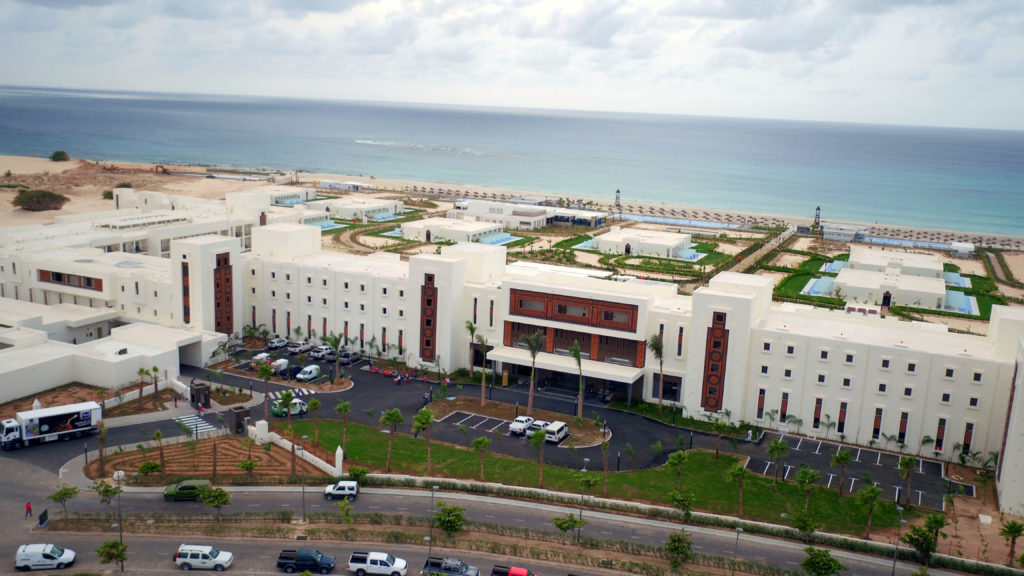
x,y
185,490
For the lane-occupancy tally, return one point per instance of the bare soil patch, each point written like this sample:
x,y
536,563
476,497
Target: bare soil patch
x,y
788,260
66,394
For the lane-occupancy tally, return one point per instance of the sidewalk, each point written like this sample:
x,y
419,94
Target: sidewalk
x,y
183,409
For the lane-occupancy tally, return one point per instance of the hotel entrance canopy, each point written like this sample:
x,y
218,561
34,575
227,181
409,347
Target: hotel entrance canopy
x,y
567,364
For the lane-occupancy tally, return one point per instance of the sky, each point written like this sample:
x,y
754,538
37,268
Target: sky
x,y
917,62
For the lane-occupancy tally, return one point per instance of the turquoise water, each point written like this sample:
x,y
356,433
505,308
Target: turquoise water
x,y
968,180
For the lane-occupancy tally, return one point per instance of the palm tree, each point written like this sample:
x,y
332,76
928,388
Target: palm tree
x,y
720,427
537,440
480,446
575,351
841,459
1011,531
772,415
334,341
482,341
264,371
534,343
142,383
806,478
342,408
868,497
156,380
391,418
285,402
102,426
676,461
657,347
798,422
159,437
777,450
737,473
829,424
421,422
471,328
605,448
265,335
906,468
313,406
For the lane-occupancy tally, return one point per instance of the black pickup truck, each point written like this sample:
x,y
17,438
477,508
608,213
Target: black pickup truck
x,y
448,567
305,559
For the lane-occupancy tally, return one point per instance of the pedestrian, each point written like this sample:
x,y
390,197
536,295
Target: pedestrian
x,y
200,408
426,398
28,509
175,400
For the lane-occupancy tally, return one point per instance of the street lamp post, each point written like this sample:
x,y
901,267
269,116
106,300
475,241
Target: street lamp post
x,y
736,549
896,548
583,488
301,447
118,475
430,539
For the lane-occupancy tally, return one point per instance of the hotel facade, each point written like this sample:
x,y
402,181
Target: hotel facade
x,y
727,350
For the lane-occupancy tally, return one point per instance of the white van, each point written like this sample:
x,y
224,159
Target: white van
x,y
194,557
297,407
556,431
43,556
311,372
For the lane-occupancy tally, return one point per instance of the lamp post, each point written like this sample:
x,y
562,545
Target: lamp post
x,y
736,549
583,488
301,446
896,548
430,539
118,475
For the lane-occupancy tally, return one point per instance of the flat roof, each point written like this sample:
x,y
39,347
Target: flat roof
x,y
452,224
646,236
892,259
877,279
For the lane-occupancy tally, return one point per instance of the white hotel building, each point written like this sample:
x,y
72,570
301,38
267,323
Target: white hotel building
x,y
726,347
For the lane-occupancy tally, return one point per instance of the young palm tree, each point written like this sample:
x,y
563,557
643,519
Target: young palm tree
x,y
577,355
471,328
537,440
841,459
313,406
534,343
657,347
342,408
421,422
159,437
777,450
103,440
676,461
1011,531
480,445
156,381
334,341
906,469
605,448
720,428
285,402
868,498
806,478
482,341
392,418
142,383
264,371
737,473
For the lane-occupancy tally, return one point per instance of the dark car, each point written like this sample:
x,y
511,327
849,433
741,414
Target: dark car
x,y
185,490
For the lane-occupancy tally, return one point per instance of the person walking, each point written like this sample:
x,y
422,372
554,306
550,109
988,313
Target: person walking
x,y
28,509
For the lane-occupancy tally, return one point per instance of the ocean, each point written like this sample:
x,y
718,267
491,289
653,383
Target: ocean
x,y
947,178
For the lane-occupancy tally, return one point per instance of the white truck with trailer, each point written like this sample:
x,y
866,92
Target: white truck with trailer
x,y
50,424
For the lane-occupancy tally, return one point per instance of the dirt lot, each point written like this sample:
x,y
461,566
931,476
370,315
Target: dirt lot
x,y
67,394
788,260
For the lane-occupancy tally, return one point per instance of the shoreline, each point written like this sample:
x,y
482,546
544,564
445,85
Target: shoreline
x,y
29,165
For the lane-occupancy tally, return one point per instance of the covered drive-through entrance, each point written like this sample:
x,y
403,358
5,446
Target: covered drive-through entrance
x,y
604,379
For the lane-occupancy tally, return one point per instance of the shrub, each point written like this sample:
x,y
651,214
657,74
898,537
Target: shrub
x,y
124,185
358,473
60,156
39,200
108,194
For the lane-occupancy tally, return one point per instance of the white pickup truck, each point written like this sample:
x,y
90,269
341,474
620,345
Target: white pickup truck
x,y
520,425
363,563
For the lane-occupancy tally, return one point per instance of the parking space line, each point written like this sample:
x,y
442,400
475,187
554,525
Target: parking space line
x,y
920,495
450,414
818,449
857,457
852,481
878,462
798,443
897,498
830,477
464,419
767,465
787,468
500,423
479,423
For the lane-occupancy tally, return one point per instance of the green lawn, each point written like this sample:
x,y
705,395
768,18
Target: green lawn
x,y
703,475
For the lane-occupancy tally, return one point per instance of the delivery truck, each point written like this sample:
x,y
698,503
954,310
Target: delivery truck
x,y
49,424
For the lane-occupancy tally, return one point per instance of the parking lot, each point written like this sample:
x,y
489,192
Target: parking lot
x,y
928,488
294,364
477,422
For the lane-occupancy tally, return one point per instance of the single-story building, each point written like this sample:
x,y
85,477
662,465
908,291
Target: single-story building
x,y
447,229
890,288
642,242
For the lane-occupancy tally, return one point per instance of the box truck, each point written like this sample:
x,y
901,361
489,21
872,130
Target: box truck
x,y
49,424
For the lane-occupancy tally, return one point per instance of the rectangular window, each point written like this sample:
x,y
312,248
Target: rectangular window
x,y
764,369
309,279
911,367
288,277
767,346
847,382
273,274
849,358
323,301
949,372
760,403
490,319
946,397
252,271
679,343
362,307
474,311
784,407
885,362
384,291
841,424
787,373
876,428
968,437
345,285
940,434
974,402
977,377
908,391
824,354
790,350
383,311
817,413
904,420
401,293
821,378
882,387
362,287
324,282
309,299
287,295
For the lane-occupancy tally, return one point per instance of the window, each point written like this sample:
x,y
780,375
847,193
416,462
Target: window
x,y
323,301
346,285
974,402
287,295
252,271
968,437
788,373
764,369
401,313
841,424
940,434
824,354
309,279
253,289
760,403
817,412
949,372
362,287
911,367
821,378
309,299
946,397
401,293
790,350
719,317
273,293
881,387
273,274
288,277
767,346
849,358
885,363
324,282
977,377
908,391
384,291
784,407
876,429
384,311
362,307
847,382
345,305
901,437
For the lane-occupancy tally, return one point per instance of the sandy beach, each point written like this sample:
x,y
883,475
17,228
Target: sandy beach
x,y
84,182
